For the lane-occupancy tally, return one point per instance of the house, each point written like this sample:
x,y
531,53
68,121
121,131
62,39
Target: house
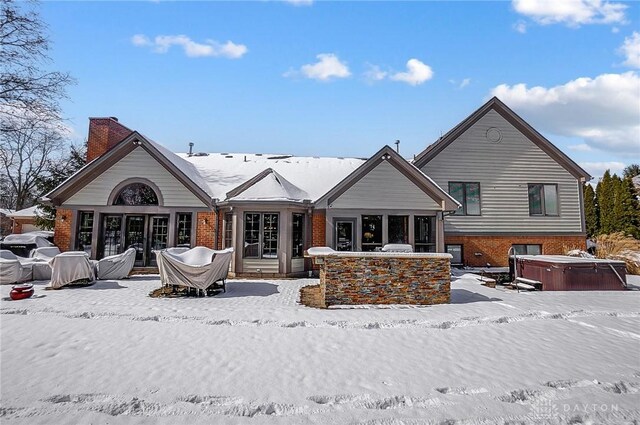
x,y
24,220
516,188
271,208
6,224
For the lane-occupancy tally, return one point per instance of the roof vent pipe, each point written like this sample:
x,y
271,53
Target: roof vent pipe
x,y
397,143
190,148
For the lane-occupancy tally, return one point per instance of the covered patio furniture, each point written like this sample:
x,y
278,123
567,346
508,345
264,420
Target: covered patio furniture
x,y
397,247
22,244
71,267
45,253
40,258
12,270
116,266
200,268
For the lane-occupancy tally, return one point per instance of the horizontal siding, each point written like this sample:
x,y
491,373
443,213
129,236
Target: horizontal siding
x,y
138,163
297,265
249,265
504,169
385,187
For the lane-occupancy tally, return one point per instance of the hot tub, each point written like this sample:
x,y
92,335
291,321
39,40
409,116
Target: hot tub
x,y
564,273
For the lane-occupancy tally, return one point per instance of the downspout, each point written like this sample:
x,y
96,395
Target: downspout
x,y
217,228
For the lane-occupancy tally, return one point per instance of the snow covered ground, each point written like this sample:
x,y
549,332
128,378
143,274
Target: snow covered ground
x,y
111,354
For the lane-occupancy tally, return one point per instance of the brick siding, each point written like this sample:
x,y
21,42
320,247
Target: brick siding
x,y
494,248
319,228
62,230
205,228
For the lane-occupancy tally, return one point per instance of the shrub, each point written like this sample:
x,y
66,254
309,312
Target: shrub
x,y
618,246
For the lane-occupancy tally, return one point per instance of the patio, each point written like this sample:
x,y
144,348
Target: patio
x,y
111,353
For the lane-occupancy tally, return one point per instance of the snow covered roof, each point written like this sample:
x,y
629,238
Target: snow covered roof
x,y
286,177
5,211
183,165
30,212
268,186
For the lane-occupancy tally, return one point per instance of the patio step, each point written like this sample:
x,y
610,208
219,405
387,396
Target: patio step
x,y
144,270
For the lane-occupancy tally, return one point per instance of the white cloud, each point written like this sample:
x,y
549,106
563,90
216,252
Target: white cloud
x,y
417,73
572,13
582,147
299,2
597,169
462,84
520,26
631,50
603,111
140,40
212,48
327,68
374,73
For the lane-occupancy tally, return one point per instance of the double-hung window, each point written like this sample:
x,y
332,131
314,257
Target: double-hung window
x,y
261,235
467,194
543,199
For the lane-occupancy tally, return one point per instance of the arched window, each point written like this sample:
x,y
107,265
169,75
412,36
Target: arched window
x,y
136,194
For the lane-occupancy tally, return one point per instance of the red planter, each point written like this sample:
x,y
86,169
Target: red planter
x,y
20,292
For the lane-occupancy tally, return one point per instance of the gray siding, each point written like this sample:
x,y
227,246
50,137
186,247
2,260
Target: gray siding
x,y
385,187
138,163
503,170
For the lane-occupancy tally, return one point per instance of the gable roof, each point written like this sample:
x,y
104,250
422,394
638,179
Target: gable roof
x,y
228,174
514,119
268,186
30,212
182,170
414,174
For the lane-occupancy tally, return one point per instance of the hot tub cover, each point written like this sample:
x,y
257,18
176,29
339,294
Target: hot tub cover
x,y
199,267
69,267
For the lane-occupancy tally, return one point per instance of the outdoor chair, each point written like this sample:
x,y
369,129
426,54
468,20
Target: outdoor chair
x,y
12,270
40,258
199,268
116,266
71,267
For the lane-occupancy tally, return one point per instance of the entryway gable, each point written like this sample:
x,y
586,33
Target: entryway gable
x,y
137,164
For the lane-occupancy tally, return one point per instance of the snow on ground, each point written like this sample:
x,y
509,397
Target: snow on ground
x,y
111,354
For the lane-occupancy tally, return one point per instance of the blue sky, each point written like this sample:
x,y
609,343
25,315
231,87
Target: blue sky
x,y
344,78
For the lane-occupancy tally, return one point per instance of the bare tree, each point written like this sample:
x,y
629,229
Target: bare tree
x,y
31,128
25,153
26,88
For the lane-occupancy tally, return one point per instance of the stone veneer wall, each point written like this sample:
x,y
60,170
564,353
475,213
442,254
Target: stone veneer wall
x,y
385,279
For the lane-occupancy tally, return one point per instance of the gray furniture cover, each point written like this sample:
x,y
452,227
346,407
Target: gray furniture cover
x,y
199,267
12,270
69,267
45,253
116,266
40,258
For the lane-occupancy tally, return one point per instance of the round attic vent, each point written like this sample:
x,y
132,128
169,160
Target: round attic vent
x,y
494,135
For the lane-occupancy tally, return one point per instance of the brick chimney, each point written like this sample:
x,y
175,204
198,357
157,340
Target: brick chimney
x,y
104,133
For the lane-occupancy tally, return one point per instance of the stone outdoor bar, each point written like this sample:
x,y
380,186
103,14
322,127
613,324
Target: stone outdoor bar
x,y
350,278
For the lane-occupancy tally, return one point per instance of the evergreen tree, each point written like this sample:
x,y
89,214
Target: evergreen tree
x,y
631,170
605,196
57,172
627,208
591,211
